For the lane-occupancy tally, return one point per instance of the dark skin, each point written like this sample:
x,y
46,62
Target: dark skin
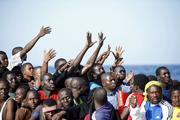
x,y
164,76
154,96
92,59
108,82
175,96
10,107
43,31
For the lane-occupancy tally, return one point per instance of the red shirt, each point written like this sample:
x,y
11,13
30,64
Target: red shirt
x,y
53,95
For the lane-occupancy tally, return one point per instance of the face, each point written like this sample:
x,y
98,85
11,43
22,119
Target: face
x,y
4,91
120,73
48,83
28,70
175,96
164,76
60,64
11,78
65,99
154,94
37,73
98,70
110,82
76,88
4,60
20,95
32,100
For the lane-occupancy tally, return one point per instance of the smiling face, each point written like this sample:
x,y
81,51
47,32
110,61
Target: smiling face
x,y
175,96
154,94
20,95
120,73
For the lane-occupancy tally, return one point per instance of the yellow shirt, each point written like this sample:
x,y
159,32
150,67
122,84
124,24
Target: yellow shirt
x,y
176,113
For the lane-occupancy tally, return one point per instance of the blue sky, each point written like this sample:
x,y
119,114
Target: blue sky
x,y
149,31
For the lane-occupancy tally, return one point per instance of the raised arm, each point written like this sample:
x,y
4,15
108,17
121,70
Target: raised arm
x,y
79,57
118,56
92,59
100,60
47,57
43,31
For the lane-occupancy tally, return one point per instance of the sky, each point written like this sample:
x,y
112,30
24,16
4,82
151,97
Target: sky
x,y
148,30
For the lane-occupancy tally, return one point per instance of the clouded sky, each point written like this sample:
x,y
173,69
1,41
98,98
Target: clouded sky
x,y
148,30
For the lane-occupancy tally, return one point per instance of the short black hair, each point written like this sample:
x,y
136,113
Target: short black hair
x,y
16,50
140,80
159,69
100,95
174,88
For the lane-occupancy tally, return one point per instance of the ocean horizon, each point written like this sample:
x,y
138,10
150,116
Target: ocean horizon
x,y
146,69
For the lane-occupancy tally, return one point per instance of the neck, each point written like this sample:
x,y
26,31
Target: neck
x,y
47,92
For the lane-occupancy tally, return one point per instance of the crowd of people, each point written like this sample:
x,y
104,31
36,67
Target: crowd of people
x,y
83,92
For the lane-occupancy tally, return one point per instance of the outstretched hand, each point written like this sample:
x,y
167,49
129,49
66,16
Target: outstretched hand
x,y
101,38
89,40
49,55
44,30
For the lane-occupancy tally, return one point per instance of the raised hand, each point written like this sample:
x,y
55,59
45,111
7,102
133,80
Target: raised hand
x,y
89,40
133,101
129,77
118,52
44,30
49,55
101,38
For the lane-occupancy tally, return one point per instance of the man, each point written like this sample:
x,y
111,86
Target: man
x,y
7,105
153,107
116,97
175,96
48,88
164,76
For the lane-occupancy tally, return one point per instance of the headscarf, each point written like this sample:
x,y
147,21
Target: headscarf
x,y
149,84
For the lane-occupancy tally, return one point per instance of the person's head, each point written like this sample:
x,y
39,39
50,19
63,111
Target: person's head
x,y
18,49
100,96
4,89
119,72
27,70
152,78
59,63
11,78
3,59
37,73
21,92
108,81
67,82
17,71
163,75
47,82
139,82
65,97
153,91
175,96
49,108
32,99
78,86
96,71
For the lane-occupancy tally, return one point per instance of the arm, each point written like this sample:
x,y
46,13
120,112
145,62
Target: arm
x,y
79,57
103,56
30,45
11,110
92,59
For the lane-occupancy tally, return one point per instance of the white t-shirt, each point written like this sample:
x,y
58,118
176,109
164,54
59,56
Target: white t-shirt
x,y
14,61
